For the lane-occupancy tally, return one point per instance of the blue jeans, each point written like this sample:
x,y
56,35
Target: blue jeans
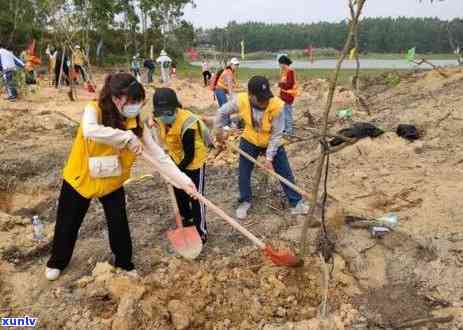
x,y
280,164
221,96
288,113
10,84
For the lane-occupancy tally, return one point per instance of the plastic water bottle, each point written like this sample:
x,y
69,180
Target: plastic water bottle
x,y
379,232
389,220
345,113
384,225
37,227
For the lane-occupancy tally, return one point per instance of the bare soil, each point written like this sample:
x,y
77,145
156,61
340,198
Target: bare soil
x,y
413,273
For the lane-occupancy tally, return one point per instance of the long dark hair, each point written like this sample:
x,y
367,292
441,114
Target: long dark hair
x,y
215,81
119,84
285,60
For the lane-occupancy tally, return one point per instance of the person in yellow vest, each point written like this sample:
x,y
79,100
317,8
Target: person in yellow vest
x,y
79,60
288,91
262,135
108,140
225,82
183,134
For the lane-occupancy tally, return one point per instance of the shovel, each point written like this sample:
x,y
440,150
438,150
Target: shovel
x,y
279,258
184,240
272,173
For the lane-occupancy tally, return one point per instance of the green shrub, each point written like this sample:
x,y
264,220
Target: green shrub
x,y
392,79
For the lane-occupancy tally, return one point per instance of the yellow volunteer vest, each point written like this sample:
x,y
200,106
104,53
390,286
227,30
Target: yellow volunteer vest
x,y
172,139
76,171
78,57
293,91
259,137
221,81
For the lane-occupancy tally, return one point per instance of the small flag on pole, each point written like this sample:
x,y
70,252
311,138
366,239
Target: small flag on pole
x,y
411,55
242,50
353,53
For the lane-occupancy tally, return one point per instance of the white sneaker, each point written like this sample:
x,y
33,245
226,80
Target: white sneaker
x,y
133,273
52,273
300,208
242,210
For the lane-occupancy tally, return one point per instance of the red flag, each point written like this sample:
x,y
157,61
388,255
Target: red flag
x,y
192,54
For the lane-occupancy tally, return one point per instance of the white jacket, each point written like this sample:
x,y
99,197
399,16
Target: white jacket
x,y
120,138
8,59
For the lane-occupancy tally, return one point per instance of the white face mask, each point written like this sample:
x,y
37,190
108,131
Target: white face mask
x,y
131,110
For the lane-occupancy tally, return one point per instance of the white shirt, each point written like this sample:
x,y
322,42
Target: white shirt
x,y
163,59
120,138
50,54
8,60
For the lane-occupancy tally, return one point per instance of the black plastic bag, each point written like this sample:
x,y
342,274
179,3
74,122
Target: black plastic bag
x,y
408,132
357,131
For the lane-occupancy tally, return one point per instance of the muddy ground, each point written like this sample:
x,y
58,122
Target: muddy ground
x,y
413,273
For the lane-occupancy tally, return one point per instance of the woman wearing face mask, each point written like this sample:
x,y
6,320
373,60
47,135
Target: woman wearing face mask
x,y
107,143
185,137
263,131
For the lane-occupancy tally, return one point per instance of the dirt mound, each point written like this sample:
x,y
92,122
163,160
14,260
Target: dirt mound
x,y
410,274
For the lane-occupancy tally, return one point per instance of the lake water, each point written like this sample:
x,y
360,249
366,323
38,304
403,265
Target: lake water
x,y
347,64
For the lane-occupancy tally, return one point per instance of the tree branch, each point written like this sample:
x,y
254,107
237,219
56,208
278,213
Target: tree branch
x,y
324,133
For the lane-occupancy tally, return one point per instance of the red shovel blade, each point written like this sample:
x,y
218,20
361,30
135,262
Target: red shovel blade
x,y
90,87
186,241
282,258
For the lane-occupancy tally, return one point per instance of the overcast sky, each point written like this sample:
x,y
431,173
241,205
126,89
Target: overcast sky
x,y
211,13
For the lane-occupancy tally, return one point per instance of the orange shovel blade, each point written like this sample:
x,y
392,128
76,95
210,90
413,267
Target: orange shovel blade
x,y
186,241
282,258
90,87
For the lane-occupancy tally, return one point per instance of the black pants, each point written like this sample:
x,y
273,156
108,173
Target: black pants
x,y
65,73
150,75
192,211
72,208
136,72
207,76
80,69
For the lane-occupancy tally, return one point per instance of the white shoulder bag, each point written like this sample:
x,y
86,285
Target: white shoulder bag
x,y
103,166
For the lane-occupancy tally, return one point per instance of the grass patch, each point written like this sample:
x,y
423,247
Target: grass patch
x,y
330,54
378,56
185,70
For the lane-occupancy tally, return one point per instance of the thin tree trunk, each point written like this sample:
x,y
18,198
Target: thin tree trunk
x,y
72,89
61,68
455,46
145,31
329,104
15,22
355,81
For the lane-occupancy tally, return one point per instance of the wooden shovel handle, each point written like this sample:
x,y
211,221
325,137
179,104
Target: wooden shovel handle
x,y
173,200
234,223
272,173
